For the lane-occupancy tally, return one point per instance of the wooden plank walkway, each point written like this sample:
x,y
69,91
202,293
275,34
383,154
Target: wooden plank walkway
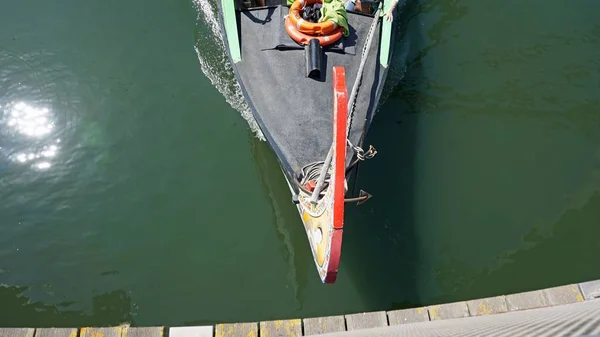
x,y
572,293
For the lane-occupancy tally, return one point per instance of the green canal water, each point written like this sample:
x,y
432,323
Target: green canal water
x,y
134,189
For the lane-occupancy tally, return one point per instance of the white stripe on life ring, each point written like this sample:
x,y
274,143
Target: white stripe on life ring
x,y
326,38
299,23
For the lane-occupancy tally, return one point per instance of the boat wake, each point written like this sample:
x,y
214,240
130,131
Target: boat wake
x,y
215,63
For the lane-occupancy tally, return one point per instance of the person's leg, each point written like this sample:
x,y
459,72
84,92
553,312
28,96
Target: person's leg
x,y
362,6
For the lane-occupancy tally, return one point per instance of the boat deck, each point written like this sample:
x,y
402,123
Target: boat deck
x,y
295,112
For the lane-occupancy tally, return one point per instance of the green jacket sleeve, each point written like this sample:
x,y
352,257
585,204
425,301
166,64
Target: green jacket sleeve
x,y
334,10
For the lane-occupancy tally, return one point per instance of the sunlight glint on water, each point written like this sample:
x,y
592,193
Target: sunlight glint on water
x,y
24,123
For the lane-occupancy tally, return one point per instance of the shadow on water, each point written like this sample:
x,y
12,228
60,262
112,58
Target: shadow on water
x,y
18,310
381,250
288,225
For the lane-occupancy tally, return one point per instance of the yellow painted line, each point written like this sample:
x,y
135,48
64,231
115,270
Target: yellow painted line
x,y
99,332
579,295
484,310
236,330
283,328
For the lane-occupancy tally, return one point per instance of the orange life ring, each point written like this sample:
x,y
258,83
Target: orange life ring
x,y
319,28
301,38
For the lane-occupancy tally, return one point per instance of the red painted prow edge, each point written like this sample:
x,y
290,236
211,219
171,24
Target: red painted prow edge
x,y
340,116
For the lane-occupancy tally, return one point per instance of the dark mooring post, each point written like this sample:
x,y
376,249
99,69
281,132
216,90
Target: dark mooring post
x,y
314,59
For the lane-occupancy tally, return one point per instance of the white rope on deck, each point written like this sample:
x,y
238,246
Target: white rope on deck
x,y
361,67
351,104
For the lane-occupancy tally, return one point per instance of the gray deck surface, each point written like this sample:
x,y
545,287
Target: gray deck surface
x,y
296,111
576,319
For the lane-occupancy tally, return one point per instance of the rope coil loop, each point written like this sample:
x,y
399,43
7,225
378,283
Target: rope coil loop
x,y
360,153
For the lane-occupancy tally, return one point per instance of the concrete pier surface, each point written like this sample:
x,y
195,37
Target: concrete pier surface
x,y
569,310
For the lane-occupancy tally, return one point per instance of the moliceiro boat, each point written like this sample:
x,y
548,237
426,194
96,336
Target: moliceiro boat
x,y
312,74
